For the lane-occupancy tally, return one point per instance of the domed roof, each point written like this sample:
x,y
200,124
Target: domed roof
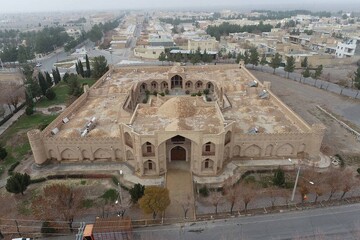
x,y
178,107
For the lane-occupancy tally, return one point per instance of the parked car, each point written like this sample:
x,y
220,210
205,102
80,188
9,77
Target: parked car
x,y
38,64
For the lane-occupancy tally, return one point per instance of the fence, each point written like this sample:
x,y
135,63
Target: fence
x,y
321,84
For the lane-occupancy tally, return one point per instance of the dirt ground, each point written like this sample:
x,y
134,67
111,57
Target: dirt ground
x,y
303,100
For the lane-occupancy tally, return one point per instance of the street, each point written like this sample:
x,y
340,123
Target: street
x,y
326,223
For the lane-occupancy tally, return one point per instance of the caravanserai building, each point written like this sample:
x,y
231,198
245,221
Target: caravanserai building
x,y
152,117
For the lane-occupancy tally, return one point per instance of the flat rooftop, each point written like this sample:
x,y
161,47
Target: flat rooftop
x,y
178,112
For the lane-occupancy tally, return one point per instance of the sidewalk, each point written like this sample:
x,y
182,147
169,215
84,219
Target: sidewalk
x,y
9,122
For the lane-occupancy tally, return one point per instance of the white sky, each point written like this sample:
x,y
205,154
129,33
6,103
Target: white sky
x,y
75,5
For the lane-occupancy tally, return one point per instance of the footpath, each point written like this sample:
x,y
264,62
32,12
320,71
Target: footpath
x,y
13,119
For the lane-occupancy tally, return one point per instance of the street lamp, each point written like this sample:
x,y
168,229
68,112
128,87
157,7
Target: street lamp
x,y
296,181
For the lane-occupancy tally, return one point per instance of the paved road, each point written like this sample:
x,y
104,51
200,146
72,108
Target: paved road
x,y
327,223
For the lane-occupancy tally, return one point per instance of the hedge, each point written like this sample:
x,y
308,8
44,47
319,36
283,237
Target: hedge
x,y
12,167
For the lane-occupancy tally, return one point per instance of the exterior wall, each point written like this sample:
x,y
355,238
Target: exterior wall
x,y
131,147
149,53
209,44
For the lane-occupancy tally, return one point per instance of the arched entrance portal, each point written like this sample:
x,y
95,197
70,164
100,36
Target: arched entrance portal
x,y
178,153
176,81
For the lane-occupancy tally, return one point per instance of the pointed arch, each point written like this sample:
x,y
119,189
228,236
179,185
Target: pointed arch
x,y
207,164
269,150
176,81
148,149
237,150
285,150
208,149
128,139
102,153
129,155
227,137
68,154
253,151
149,166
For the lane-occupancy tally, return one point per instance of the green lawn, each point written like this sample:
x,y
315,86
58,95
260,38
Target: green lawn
x,y
61,91
15,139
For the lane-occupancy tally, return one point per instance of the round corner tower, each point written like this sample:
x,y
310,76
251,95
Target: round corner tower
x,y
37,146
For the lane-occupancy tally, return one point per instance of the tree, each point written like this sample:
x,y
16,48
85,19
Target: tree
x,y
216,198
185,205
155,200
75,88
238,58
88,70
318,71
275,62
3,153
81,68
254,57
136,192
58,202
66,77
50,94
11,94
356,78
162,57
333,181
232,194
273,193
304,62
304,188
77,68
247,193
99,67
58,74
48,79
246,58
279,177
43,84
290,65
18,183
306,73
33,87
347,182
263,61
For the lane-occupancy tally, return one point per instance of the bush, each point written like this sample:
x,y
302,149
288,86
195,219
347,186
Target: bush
x,y
50,94
110,195
204,191
12,167
194,94
3,153
167,91
199,93
187,92
37,180
136,192
162,94
115,180
66,77
147,92
47,228
279,178
342,162
206,91
29,111
155,93
208,99
42,126
358,170
87,203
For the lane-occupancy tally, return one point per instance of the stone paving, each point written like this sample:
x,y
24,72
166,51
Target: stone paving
x,y
179,183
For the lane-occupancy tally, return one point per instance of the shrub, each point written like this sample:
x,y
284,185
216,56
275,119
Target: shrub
x,y
194,94
83,182
110,195
342,162
115,180
136,192
87,203
155,93
208,99
147,92
167,91
162,94
37,180
42,126
3,153
50,94
187,92
12,167
47,228
29,111
358,170
204,191
206,91
279,177
66,77
250,179
199,93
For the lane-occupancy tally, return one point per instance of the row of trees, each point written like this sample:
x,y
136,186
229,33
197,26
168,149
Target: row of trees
x,y
193,57
248,190
225,28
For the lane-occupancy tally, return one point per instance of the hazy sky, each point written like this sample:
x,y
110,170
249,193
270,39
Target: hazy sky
x,y
75,5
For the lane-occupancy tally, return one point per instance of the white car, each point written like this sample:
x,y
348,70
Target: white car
x,y
38,64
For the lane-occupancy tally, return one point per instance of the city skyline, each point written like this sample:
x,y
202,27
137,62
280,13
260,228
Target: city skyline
x,y
78,5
